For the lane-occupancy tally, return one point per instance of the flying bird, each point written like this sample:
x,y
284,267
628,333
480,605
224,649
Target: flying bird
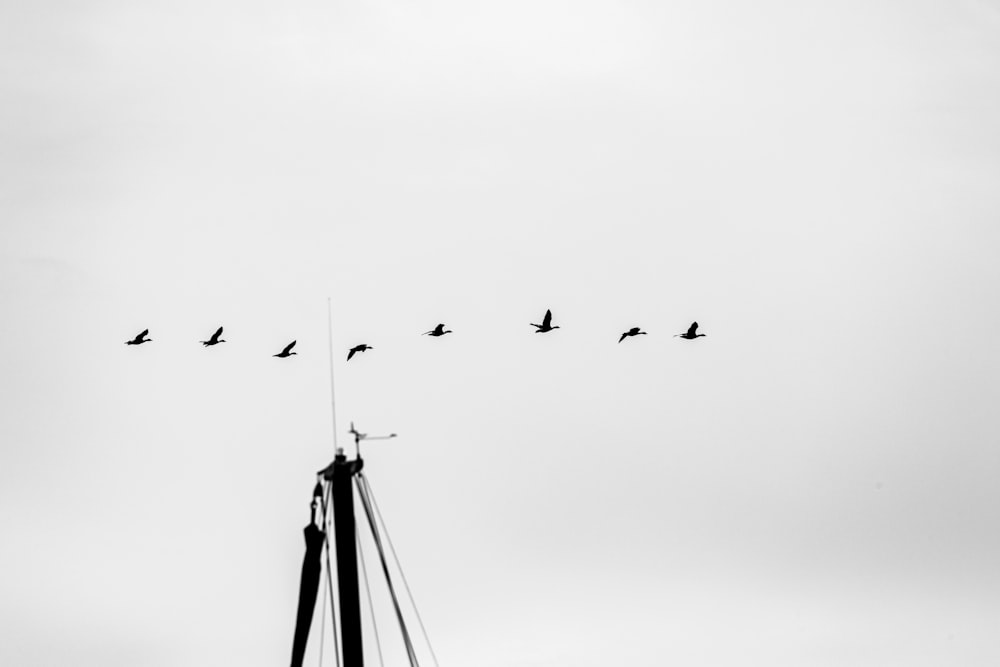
x,y
634,331
140,339
358,348
214,340
546,324
439,330
690,334
286,352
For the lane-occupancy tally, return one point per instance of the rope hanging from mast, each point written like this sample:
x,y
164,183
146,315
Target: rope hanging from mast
x,y
309,583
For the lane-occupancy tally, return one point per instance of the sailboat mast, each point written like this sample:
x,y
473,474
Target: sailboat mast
x,y
342,481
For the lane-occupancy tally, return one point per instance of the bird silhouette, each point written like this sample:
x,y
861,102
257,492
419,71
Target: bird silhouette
x,y
214,340
690,333
634,331
546,324
437,331
287,351
140,339
358,348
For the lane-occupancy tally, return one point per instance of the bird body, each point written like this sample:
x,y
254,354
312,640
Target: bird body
x,y
214,340
690,333
546,324
358,348
140,339
634,331
287,352
439,330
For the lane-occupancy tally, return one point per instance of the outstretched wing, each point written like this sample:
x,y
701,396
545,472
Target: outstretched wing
x,y
145,332
548,319
624,336
351,353
216,335
692,329
288,347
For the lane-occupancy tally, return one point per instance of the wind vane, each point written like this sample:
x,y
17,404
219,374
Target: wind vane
x,y
358,437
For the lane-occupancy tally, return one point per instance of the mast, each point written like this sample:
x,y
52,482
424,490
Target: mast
x,y
341,476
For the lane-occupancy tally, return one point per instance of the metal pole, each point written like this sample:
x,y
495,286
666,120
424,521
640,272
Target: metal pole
x,y
341,479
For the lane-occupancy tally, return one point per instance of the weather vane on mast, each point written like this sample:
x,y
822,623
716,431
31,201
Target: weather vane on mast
x,y
358,437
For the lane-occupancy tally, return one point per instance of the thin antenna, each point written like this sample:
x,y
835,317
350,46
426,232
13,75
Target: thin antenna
x,y
333,393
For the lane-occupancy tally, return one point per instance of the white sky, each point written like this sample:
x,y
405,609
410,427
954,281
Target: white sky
x,y
814,483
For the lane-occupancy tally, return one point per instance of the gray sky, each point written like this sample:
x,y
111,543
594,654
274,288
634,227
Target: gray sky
x,y
815,183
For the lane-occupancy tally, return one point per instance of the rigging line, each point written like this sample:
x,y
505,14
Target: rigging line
x,y
322,625
368,591
365,502
333,394
410,651
327,521
399,567
326,573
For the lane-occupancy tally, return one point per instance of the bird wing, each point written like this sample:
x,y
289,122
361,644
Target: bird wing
x,y
289,347
692,329
216,335
351,353
548,319
145,332
624,336
439,329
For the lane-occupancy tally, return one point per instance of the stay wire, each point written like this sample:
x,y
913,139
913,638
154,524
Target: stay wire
x,y
322,626
366,503
327,521
326,573
399,567
368,591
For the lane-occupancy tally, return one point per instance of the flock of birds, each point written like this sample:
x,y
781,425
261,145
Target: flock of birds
x,y
545,327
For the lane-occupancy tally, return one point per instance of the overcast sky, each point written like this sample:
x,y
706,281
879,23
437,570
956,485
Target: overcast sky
x,y
812,483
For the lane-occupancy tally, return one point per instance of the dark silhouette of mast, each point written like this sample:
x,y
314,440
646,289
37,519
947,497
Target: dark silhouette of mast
x,y
341,474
